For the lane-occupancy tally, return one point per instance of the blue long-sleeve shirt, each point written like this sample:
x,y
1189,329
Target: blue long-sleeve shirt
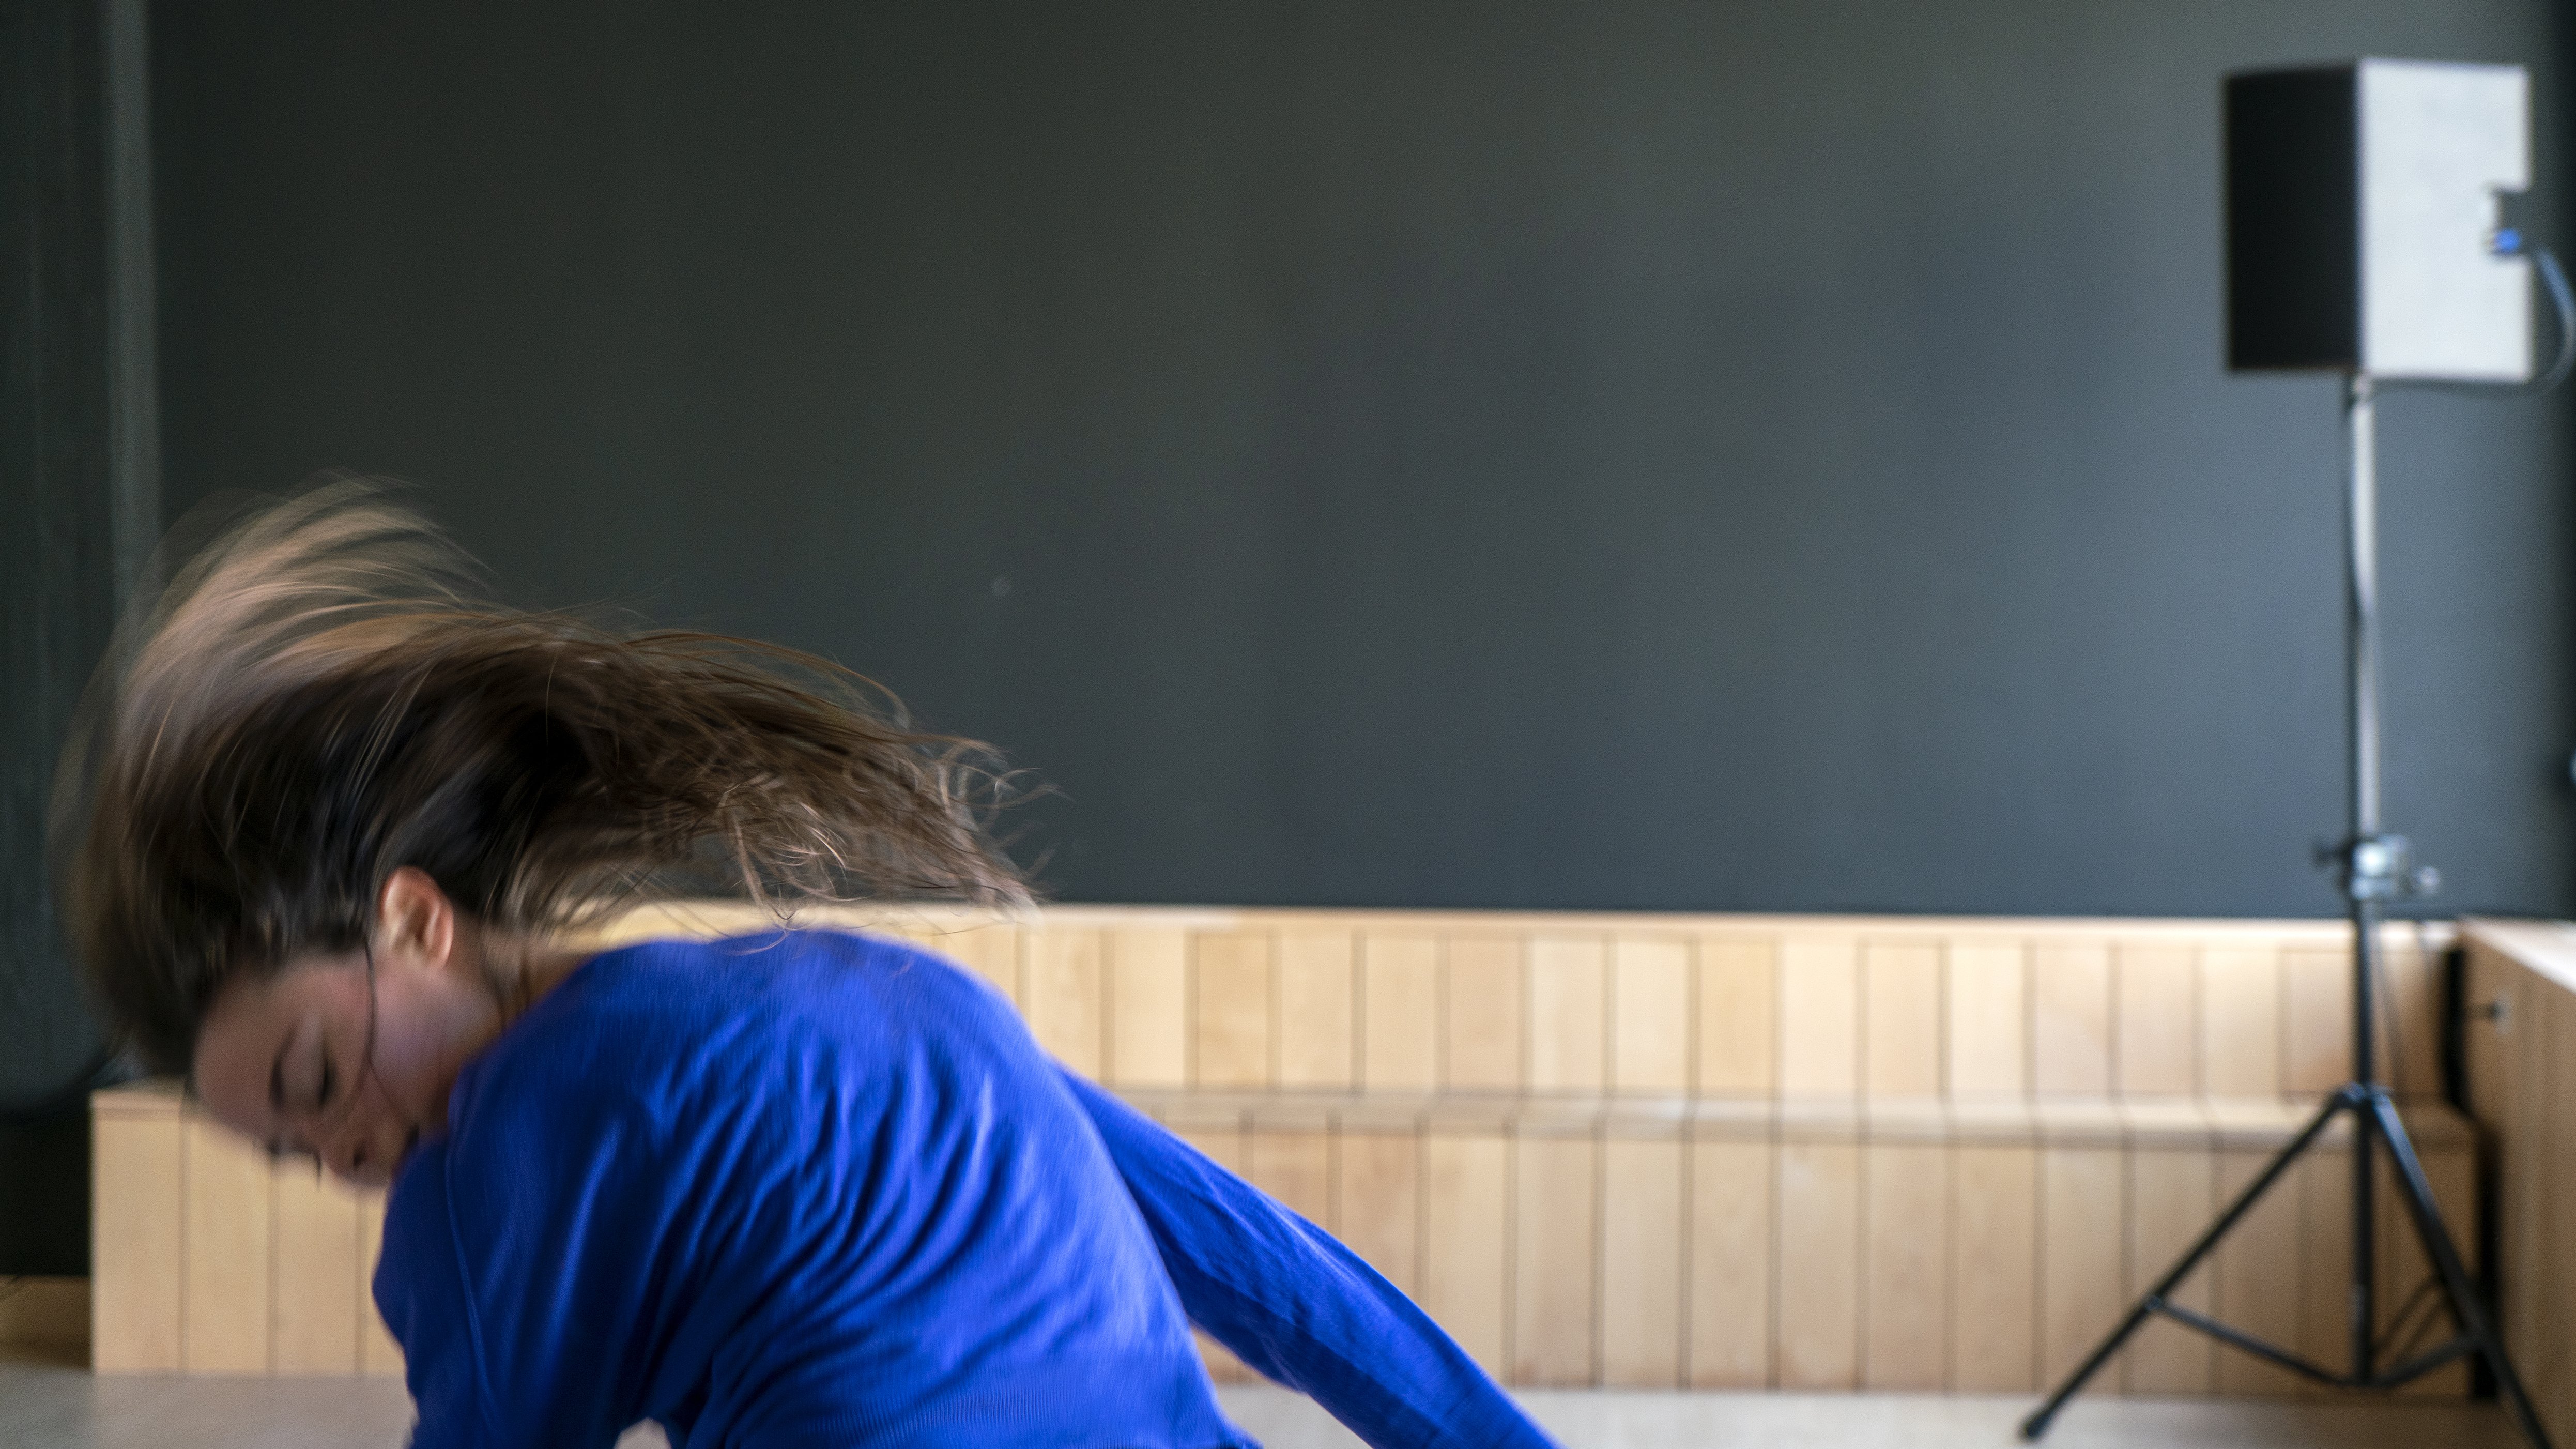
x,y
818,1189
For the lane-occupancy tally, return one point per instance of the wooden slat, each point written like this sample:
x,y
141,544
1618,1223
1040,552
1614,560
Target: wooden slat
x,y
378,1355
1568,1016
1819,1268
1486,1009
1318,985
2083,1203
1148,1034
1901,1018
2070,1019
1297,1169
1556,1194
136,1211
314,1279
1231,1009
1819,1017
992,952
1650,992
2324,1182
2550,1022
2240,1022
2172,1199
1063,997
2158,1020
1641,1262
2258,1275
1994,1297
1988,1000
1739,1016
1906,1288
224,1275
2413,1061
1378,1202
1399,1000
2316,1036
1731,1257
1467,1185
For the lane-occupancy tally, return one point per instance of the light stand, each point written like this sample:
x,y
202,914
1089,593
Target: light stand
x,y
2372,867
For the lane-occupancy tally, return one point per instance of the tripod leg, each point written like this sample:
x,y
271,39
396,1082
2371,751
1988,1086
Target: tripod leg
x,y
2037,1423
2417,1192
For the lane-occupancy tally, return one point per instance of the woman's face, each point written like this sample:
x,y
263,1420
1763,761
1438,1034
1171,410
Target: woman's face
x,y
316,1058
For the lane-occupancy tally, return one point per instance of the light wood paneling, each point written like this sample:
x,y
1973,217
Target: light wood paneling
x,y
2158,1011
1297,1169
378,1355
1650,994
1486,1010
1739,1016
1231,1009
2083,1290
2324,1183
1642,1232
1994,1292
992,952
138,1200
1906,1290
1318,986
1148,1032
1901,1018
1819,1265
2317,1033
224,1269
1819,988
2240,1021
1611,1228
1399,1005
1987,996
1650,988
2172,1199
1568,1018
315,1276
1465,1245
2413,1062
2258,1271
1063,996
1378,1203
1731,1257
1555,1226
2070,1019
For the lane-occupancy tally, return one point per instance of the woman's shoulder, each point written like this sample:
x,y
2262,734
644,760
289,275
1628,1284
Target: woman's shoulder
x,y
660,1019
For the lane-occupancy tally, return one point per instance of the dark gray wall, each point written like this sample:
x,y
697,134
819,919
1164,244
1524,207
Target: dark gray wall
x,y
58,581
1721,456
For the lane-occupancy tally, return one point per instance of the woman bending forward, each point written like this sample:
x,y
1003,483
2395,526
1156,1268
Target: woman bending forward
x,y
322,837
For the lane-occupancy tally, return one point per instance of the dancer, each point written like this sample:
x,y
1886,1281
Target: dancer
x,y
328,835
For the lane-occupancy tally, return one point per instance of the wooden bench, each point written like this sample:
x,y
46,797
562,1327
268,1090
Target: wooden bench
x,y
1634,1151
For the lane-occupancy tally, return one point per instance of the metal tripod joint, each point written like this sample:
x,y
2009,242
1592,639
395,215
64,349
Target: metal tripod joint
x,y
2378,867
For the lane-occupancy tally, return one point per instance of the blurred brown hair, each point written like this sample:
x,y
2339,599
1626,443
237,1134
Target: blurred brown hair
x,y
318,698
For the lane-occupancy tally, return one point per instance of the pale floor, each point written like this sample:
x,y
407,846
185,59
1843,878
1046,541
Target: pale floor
x,y
51,1406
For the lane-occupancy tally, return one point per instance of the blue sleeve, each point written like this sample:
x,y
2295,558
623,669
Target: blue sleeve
x,y
543,1367
1296,1305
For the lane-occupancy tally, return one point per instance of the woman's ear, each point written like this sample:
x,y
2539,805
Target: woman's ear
x,y
415,920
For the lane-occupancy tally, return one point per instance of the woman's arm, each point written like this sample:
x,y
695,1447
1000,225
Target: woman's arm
x,y
1294,1303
